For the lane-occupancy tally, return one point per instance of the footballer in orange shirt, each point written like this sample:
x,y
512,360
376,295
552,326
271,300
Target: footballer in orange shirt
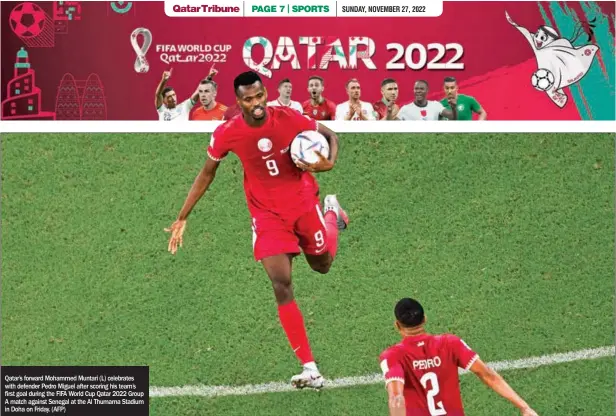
x,y
209,109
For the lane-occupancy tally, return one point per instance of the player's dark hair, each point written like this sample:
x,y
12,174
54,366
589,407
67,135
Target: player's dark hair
x,y
318,78
282,81
245,79
409,312
388,81
166,90
209,82
423,81
450,79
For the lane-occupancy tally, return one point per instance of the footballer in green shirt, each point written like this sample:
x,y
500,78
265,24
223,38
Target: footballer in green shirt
x,y
466,105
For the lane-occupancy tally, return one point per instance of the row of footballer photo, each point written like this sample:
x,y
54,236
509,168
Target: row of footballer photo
x,y
454,105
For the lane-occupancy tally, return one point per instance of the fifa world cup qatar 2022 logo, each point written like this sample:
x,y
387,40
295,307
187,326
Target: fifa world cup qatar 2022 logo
x,y
141,65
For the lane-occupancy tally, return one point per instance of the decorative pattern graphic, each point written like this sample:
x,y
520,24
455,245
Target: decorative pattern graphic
x,y
32,25
66,10
24,97
81,99
121,7
141,63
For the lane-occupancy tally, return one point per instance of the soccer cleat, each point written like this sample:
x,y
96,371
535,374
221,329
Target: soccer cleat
x,y
331,204
308,378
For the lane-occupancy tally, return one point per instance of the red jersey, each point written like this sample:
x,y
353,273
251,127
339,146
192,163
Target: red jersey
x,y
381,109
272,182
324,111
232,112
428,367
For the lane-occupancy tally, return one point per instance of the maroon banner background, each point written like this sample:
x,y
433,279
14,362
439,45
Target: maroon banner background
x,y
498,60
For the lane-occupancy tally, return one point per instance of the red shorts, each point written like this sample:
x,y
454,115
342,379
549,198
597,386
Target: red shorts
x,y
273,234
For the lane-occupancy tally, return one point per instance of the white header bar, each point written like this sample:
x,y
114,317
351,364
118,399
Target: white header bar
x,y
303,8
155,126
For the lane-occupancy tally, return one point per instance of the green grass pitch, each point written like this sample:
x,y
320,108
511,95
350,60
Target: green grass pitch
x,y
507,239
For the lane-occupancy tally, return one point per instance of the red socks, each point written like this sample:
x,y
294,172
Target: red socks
x,y
331,225
293,324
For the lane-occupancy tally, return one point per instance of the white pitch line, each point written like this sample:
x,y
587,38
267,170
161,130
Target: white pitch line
x,y
277,387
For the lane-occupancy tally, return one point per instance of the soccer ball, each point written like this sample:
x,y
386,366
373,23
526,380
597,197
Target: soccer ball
x,y
542,79
306,143
27,20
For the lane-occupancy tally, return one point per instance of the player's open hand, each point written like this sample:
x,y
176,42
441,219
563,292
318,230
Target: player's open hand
x,y
176,230
322,165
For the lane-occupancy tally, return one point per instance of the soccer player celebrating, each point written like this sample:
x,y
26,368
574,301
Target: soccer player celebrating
x,y
421,372
282,199
424,109
318,107
386,108
466,105
285,88
354,109
167,101
210,109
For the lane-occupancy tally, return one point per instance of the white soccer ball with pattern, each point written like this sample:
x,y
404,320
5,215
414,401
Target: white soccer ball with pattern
x,y
306,143
542,79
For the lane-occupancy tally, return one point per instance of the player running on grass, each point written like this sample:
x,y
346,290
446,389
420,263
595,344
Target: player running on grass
x,y
282,199
421,372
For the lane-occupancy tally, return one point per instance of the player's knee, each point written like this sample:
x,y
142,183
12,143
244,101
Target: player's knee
x,y
321,266
282,290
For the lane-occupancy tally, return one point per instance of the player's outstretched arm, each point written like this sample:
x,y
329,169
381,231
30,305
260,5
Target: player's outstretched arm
x,y
160,88
493,380
395,391
197,190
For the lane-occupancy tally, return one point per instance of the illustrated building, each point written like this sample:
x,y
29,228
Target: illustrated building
x,y
23,100
81,100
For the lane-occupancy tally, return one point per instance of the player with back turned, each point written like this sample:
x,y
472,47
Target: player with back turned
x,y
282,199
421,372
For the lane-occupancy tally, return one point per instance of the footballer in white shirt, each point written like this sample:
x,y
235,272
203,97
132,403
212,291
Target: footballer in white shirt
x,y
426,110
167,101
354,109
285,88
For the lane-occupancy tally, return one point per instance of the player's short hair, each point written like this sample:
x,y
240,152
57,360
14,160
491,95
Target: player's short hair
x,y
388,81
167,90
450,79
209,82
423,81
283,81
245,79
409,312
318,78
351,80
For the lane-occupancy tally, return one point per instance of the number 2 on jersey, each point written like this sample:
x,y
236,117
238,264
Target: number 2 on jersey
x,y
435,409
272,167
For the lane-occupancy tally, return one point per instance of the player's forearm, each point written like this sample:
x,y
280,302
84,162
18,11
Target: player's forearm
x,y
483,115
397,406
493,380
197,190
332,139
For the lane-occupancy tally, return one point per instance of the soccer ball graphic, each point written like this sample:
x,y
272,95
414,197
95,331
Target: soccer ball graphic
x,y
304,145
27,20
542,79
